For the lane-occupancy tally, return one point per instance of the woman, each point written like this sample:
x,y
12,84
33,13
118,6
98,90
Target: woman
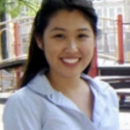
x,y
55,91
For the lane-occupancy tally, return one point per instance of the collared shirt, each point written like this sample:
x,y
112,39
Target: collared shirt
x,y
38,106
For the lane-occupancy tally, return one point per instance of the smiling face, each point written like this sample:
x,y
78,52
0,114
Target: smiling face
x,y
68,44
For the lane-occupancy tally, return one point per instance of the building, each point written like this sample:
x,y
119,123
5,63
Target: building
x,y
109,8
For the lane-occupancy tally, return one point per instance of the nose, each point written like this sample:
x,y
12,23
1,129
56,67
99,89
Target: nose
x,y
71,47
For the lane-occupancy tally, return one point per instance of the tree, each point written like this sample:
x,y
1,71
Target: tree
x,y
13,7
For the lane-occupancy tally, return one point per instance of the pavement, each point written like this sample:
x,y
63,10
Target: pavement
x,y
125,120
124,115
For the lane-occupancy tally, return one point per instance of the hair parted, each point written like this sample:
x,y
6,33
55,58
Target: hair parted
x,y
36,58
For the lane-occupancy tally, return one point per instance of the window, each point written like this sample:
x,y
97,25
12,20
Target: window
x,y
111,42
120,10
127,41
112,16
100,41
114,0
99,12
112,13
100,44
97,0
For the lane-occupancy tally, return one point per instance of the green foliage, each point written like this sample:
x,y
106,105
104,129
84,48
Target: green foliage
x,y
14,7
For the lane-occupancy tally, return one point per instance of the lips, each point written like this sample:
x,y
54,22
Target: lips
x,y
70,61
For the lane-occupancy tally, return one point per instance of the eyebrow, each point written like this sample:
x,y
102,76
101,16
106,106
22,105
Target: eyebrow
x,y
84,29
57,29
62,29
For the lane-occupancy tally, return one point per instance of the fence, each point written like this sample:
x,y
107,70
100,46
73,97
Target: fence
x,y
17,32
113,42
126,41
109,41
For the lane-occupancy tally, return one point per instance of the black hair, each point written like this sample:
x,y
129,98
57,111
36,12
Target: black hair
x,y
36,58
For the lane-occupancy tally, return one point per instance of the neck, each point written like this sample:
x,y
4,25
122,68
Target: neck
x,y
66,85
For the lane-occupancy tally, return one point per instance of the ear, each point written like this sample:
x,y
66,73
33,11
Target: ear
x,y
39,42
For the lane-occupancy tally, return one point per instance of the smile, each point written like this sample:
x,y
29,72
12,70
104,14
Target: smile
x,y
70,61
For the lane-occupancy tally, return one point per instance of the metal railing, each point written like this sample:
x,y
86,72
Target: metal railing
x,y
107,41
114,39
17,33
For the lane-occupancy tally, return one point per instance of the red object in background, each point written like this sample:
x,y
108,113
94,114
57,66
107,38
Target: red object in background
x,y
94,68
17,48
16,39
120,39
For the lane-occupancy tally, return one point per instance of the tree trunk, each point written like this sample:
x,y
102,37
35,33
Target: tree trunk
x,y
4,50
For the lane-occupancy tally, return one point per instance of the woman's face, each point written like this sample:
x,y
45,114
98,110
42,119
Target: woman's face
x,y
68,43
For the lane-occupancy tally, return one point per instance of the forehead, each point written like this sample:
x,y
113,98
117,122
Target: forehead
x,y
66,18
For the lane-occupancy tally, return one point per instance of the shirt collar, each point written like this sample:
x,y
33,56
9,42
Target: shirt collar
x,y
41,85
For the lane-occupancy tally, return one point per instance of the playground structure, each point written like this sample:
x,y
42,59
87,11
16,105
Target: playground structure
x,y
112,45
17,31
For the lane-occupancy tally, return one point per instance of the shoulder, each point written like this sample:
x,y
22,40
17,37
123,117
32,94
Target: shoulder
x,y
104,90
24,101
24,98
18,96
18,100
104,86
107,92
110,101
24,105
21,109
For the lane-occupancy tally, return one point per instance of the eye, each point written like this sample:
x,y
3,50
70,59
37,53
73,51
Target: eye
x,y
59,36
81,36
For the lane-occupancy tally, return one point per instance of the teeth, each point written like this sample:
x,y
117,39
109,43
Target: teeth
x,y
70,61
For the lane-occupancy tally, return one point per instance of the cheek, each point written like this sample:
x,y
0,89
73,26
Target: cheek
x,y
51,51
88,48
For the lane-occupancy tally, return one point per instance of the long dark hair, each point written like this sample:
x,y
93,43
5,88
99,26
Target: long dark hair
x,y
36,58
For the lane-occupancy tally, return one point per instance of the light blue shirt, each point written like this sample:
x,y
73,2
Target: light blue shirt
x,y
38,106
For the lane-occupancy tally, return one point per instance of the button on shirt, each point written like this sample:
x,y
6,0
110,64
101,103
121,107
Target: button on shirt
x,y
37,106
